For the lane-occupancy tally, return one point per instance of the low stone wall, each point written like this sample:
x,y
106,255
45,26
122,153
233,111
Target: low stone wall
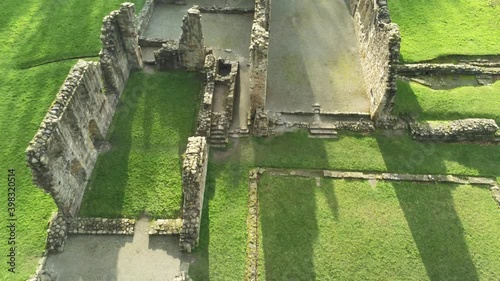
x,y
379,43
444,69
251,270
145,16
152,42
457,130
259,50
226,10
101,226
194,172
166,227
230,81
64,150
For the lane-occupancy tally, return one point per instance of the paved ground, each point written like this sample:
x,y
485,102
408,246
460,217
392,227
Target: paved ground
x,y
313,58
118,258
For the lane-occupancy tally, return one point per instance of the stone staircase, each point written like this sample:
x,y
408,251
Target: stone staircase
x,y
322,131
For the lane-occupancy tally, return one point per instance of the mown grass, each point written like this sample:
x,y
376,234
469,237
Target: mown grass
x,y
142,172
26,95
425,103
350,230
431,29
221,254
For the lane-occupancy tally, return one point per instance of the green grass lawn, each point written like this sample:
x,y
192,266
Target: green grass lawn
x,y
221,254
33,32
464,102
350,230
431,29
142,172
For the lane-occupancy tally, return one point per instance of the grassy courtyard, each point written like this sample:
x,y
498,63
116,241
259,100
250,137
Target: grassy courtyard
x,y
433,29
351,230
221,255
425,103
142,172
27,93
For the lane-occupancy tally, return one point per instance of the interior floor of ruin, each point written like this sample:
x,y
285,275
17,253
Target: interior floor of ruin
x,y
314,58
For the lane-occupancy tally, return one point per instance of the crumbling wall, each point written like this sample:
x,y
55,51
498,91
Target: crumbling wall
x,y
63,152
121,51
379,43
145,16
205,114
457,130
194,172
191,42
259,50
168,56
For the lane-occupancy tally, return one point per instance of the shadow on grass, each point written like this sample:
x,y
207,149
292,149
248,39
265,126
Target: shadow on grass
x,y
430,213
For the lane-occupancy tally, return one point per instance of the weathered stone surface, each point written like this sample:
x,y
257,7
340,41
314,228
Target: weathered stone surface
x,y
191,42
182,276
57,233
194,172
261,123
457,130
121,51
144,16
259,50
166,227
101,226
251,270
168,57
444,69
379,40
64,150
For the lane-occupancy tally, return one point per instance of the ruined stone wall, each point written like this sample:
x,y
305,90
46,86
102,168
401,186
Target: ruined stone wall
x,y
191,42
194,172
205,114
379,43
457,130
259,50
145,16
121,51
63,152
168,56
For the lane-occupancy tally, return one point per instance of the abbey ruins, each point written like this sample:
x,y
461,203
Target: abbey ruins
x,y
263,76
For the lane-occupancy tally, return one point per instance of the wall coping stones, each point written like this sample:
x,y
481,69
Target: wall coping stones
x,y
445,68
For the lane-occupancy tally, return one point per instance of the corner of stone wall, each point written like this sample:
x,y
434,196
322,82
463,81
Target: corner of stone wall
x,y
194,172
57,233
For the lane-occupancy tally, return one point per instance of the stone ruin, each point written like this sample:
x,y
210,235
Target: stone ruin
x,y
64,151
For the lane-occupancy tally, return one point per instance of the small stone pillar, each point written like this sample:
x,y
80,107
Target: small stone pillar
x,y
191,43
194,173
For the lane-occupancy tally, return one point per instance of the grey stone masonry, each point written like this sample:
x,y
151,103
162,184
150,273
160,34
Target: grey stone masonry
x,y
57,233
120,52
194,172
64,150
444,68
145,16
457,130
101,226
191,42
379,42
205,114
259,50
168,56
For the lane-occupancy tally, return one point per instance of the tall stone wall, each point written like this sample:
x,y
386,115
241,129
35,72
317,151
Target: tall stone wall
x,y
194,173
259,50
379,43
63,152
191,42
121,51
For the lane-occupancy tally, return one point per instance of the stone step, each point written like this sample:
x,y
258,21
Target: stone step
x,y
323,136
322,131
213,137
